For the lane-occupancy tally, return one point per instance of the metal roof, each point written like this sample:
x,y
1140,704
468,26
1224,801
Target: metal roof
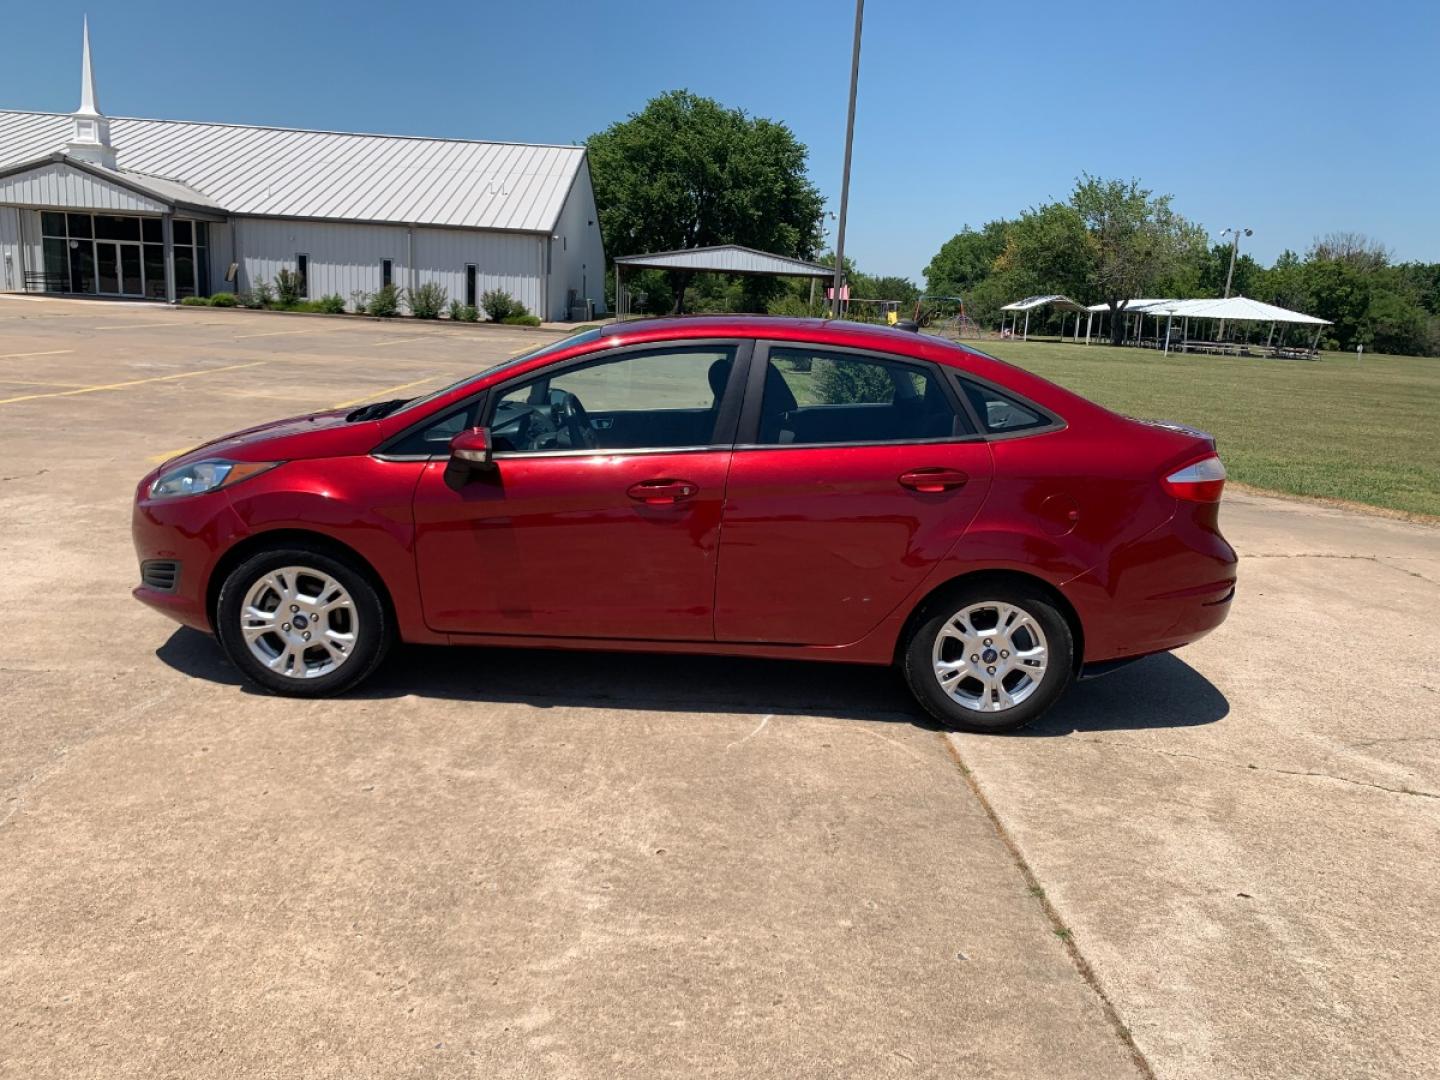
x,y
288,172
158,187
727,259
1064,303
1132,305
1237,309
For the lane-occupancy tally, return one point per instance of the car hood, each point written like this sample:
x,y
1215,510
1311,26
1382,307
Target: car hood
x,y
314,435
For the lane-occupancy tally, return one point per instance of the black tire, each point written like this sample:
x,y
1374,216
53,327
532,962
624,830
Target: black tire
x,y
917,657
374,631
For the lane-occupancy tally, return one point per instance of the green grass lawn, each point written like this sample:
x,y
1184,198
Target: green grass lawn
x,y
1363,430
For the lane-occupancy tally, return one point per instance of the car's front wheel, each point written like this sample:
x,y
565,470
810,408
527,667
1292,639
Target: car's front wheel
x,y
989,657
300,622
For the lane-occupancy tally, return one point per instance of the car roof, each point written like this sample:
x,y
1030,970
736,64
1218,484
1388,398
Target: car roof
x,y
883,337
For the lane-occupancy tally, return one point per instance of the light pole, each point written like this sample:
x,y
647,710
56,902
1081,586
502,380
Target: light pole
x,y
1230,275
845,180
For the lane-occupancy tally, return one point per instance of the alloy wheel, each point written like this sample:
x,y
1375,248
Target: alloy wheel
x,y
990,656
299,622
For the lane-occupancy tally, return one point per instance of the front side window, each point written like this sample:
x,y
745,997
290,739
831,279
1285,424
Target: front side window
x,y
815,397
302,268
656,399
387,272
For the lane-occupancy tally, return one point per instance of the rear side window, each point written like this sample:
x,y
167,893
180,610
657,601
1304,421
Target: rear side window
x,y
1000,414
812,397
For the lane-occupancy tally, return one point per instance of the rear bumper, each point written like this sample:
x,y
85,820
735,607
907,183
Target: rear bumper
x,y
1171,587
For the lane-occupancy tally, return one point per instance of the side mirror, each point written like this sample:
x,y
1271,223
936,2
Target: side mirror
x,y
472,448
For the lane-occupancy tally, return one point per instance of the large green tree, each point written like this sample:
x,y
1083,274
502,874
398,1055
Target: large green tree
x,y
966,259
688,172
1137,239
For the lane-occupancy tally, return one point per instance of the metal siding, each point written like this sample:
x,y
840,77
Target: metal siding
x,y
274,172
579,257
345,258
502,261
60,185
11,268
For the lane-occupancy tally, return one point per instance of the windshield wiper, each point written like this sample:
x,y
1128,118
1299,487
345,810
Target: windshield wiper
x,y
376,410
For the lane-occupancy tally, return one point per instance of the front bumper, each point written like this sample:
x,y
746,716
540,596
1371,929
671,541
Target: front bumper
x,y
192,532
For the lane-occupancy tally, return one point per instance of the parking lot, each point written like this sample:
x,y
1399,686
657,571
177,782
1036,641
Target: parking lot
x,y
488,863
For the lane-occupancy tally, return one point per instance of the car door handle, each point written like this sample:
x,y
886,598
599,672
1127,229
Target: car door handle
x,y
661,492
933,480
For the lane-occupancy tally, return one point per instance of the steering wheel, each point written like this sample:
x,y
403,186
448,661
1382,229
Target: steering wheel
x,y
569,412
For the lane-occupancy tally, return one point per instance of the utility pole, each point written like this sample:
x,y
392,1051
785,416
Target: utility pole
x,y
1230,275
845,180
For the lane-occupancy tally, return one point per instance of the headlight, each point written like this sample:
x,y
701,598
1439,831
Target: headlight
x,y
202,476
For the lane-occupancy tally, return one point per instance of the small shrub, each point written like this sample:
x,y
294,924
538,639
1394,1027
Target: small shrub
x,y
332,304
223,299
428,300
310,307
385,304
289,287
469,313
522,320
262,295
500,305
852,382
195,301
360,301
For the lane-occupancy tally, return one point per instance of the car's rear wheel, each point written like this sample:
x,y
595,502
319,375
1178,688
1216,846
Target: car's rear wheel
x,y
989,656
300,622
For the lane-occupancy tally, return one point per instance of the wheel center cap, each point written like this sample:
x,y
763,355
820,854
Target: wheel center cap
x,y
990,656
301,622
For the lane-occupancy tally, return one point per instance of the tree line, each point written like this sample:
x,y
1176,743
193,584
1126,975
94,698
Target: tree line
x,y
688,172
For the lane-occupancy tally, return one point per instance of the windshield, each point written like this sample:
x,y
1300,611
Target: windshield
x,y
582,338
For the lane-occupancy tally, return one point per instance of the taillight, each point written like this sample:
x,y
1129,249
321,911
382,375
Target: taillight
x,y
1200,481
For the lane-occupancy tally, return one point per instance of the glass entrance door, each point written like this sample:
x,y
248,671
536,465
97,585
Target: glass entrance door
x,y
130,280
107,267
117,269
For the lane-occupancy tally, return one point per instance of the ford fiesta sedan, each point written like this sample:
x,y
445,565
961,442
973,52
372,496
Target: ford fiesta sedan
x,y
740,485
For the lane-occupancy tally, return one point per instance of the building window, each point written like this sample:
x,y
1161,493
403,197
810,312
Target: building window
x,y
302,268
387,272
470,285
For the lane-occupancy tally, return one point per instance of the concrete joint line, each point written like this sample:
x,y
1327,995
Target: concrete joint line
x,y
1376,559
1273,771
1057,924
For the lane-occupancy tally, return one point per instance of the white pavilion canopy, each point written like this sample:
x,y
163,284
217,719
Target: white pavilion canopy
x,y
1030,303
1234,309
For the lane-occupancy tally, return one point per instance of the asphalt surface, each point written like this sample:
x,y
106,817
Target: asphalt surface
x,y
527,864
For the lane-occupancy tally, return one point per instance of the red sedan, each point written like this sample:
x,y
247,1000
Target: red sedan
x,y
738,485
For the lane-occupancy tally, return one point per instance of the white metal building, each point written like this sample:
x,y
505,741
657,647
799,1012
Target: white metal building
x,y
165,209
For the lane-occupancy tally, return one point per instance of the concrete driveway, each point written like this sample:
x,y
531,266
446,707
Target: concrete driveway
x,y
507,864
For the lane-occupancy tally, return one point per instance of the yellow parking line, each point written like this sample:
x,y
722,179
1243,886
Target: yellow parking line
x,y
277,333
132,382
38,382
382,393
47,352
398,340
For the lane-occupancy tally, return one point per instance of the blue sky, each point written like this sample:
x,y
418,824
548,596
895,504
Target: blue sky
x,y
1295,119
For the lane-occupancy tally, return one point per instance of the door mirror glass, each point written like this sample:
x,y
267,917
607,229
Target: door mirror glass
x,y
472,447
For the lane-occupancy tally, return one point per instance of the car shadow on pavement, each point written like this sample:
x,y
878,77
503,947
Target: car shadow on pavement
x,y
1161,691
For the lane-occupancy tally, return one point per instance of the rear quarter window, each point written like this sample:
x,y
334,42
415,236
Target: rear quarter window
x,y
1000,414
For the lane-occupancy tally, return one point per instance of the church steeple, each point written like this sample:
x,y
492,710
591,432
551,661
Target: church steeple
x,y
90,139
